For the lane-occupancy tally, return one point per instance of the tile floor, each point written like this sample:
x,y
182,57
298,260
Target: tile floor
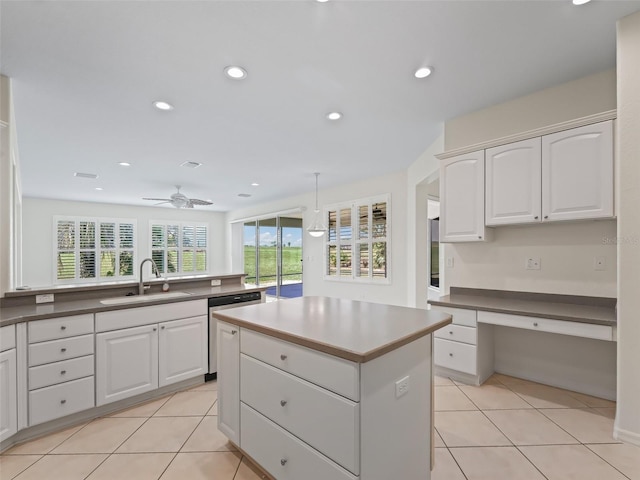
x,y
506,429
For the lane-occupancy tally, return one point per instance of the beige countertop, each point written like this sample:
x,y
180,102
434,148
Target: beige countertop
x,y
356,331
594,310
24,313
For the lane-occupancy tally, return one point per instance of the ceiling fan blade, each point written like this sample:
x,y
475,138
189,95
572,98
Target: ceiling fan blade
x,y
158,199
197,201
188,205
162,203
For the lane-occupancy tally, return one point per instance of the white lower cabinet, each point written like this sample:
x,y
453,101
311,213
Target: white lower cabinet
x,y
60,400
8,394
136,360
228,352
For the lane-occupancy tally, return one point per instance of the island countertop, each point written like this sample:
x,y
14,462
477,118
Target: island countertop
x,y
353,330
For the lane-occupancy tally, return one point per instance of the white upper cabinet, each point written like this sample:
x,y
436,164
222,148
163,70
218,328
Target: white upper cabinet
x,y
513,177
577,173
462,198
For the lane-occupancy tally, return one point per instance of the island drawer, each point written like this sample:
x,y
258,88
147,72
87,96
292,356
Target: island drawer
x,y
63,327
457,333
59,372
455,355
335,374
282,455
57,350
459,316
7,337
60,400
324,420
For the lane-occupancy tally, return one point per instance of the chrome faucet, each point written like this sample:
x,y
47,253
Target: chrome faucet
x,y
141,287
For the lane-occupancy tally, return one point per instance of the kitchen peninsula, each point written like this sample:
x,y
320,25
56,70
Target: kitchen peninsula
x,y
315,387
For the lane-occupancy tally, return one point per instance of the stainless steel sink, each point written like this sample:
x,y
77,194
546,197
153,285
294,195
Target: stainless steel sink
x,y
143,298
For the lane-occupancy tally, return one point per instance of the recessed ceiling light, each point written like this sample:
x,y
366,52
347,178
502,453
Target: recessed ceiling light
x,y
163,105
99,189
124,164
235,72
580,2
322,1
423,72
254,184
334,115
85,175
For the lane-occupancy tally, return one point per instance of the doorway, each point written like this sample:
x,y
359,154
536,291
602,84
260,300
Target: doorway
x,y
273,255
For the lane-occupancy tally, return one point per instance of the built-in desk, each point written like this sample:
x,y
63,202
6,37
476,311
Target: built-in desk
x,y
560,340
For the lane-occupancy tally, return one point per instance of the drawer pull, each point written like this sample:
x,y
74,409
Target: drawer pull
x,y
62,350
536,217
162,327
63,401
283,461
233,332
63,372
283,357
535,324
450,332
283,403
63,327
451,354
155,329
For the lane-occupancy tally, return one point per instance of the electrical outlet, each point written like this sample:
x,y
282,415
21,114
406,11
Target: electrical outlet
x,y
216,283
402,386
45,298
599,263
449,262
532,263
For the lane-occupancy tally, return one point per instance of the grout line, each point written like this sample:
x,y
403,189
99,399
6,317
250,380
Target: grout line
x,y
456,462
604,459
531,461
27,468
168,465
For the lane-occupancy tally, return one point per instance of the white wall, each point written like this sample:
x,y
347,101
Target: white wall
x,y
38,232
627,424
394,293
566,250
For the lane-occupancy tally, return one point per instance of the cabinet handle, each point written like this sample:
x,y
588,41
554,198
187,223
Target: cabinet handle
x,y
62,350
155,328
451,354
480,237
162,327
62,402
450,332
535,324
233,332
283,357
283,403
546,216
536,217
63,327
283,461
63,372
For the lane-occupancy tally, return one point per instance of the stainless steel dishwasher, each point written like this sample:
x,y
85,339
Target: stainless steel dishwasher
x,y
220,303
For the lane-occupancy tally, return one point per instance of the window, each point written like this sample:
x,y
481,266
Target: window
x,y
179,248
357,244
94,249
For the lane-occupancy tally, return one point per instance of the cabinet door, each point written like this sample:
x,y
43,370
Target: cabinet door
x,y
8,394
513,183
462,198
577,173
182,349
228,355
126,363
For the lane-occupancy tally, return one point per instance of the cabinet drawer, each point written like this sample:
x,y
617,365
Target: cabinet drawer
x,y
336,374
59,372
577,329
59,400
7,337
459,316
326,421
138,316
457,333
43,330
455,355
281,454
57,350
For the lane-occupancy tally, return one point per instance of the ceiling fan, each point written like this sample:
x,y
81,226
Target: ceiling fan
x,y
180,200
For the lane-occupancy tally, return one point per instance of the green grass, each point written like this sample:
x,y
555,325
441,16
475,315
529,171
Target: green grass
x,y
291,264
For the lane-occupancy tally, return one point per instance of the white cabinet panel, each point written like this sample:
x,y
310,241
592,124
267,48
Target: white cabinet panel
x,y
57,350
513,183
228,354
577,173
126,363
59,400
7,337
457,333
182,349
59,372
51,329
8,394
462,198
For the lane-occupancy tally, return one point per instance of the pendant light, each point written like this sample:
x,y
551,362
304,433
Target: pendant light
x,y
317,228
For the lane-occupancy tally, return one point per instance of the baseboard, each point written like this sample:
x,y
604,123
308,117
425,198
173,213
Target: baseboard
x,y
626,436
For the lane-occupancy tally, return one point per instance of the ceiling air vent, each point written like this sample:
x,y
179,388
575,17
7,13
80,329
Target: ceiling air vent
x,y
85,175
190,164
244,195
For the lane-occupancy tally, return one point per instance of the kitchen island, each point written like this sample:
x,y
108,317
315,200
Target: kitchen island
x,y
325,388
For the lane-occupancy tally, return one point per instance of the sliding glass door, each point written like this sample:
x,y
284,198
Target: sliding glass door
x,y
273,255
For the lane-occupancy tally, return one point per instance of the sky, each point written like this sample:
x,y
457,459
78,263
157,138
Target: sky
x,y
290,236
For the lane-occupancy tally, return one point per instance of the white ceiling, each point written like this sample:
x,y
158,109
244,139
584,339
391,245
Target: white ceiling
x,y
85,74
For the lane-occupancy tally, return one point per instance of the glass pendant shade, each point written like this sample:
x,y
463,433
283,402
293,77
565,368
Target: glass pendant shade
x,y
317,228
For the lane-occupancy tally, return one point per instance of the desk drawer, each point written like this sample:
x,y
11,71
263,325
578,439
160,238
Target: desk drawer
x,y
60,400
281,454
43,330
7,337
457,333
455,355
326,421
459,316
60,372
577,329
57,350
336,374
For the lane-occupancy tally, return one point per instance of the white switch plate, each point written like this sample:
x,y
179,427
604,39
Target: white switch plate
x,y
216,283
449,262
599,263
402,386
532,263
44,298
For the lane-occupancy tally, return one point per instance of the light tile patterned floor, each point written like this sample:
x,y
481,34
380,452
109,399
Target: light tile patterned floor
x,y
508,428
